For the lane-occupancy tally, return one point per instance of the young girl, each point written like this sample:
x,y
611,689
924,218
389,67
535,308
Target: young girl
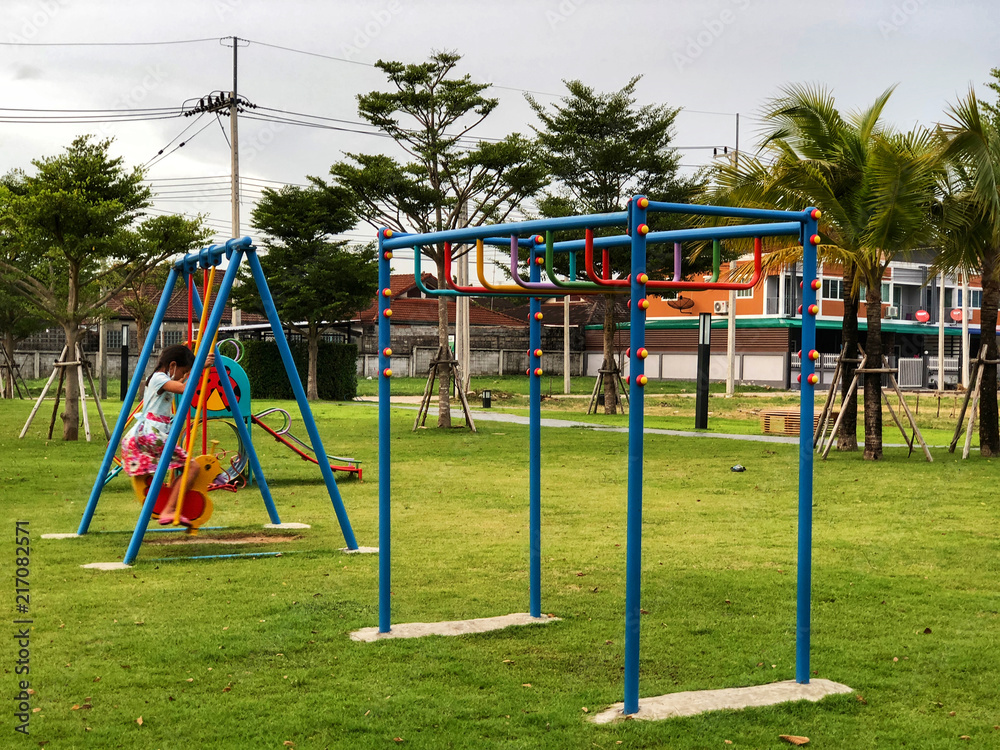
x,y
143,445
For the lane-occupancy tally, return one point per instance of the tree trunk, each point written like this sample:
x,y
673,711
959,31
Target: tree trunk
x,y
989,428
847,440
312,387
443,372
71,416
873,380
610,381
8,375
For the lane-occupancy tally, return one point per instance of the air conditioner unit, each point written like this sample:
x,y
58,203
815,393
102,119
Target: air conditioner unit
x,y
720,307
892,311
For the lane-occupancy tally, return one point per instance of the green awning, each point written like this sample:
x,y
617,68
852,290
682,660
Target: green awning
x,y
891,326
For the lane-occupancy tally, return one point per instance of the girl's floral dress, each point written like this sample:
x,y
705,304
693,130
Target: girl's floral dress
x,y
143,444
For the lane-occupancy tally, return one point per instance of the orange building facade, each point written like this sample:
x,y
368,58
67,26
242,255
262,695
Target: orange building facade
x,y
768,326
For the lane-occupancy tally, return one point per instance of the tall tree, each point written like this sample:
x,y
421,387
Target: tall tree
x,y
447,179
876,189
971,229
71,237
601,149
316,281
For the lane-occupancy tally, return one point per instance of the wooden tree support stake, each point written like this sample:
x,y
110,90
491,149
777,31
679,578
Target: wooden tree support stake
x,y
82,369
445,357
622,390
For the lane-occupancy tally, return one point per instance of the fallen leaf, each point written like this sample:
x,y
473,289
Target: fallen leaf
x,y
226,628
586,710
397,739
30,691
97,679
288,743
951,713
643,611
608,643
190,679
793,739
508,661
368,712
965,737
728,742
861,699
35,710
75,707
525,684
895,658
927,631
139,721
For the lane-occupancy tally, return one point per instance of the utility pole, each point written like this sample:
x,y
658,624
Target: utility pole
x,y
235,149
731,317
462,333
966,309
940,372
566,360
228,103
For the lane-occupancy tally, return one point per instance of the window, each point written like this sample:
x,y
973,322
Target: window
x,y
975,298
173,337
885,292
833,289
744,293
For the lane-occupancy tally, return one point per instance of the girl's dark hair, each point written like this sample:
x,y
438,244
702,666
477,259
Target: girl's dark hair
x,y
178,353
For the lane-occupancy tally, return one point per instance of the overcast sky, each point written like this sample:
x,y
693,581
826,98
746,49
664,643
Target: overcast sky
x,y
713,58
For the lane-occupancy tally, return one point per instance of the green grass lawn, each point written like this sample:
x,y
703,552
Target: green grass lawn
x,y
254,653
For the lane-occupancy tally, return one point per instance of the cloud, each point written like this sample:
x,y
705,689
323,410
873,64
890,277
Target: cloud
x,y
27,73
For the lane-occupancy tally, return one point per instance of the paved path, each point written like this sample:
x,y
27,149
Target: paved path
x,y
496,416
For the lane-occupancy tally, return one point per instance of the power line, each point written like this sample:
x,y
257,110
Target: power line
x,y
107,44
152,164
174,139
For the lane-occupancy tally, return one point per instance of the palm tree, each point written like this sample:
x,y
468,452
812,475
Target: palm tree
x,y
875,188
971,231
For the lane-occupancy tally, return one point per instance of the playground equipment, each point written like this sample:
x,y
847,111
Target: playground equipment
x,y
236,251
537,238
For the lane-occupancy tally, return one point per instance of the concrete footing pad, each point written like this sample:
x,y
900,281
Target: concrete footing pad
x,y
453,627
360,551
700,701
107,566
287,526
61,536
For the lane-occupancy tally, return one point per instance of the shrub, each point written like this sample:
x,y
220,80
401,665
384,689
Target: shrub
x,y
336,369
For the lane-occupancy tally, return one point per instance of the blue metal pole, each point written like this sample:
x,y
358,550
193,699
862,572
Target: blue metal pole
x,y
384,448
300,396
133,388
177,426
807,401
241,428
637,378
535,448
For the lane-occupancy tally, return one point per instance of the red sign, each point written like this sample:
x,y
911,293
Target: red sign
x,y
956,314
923,316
